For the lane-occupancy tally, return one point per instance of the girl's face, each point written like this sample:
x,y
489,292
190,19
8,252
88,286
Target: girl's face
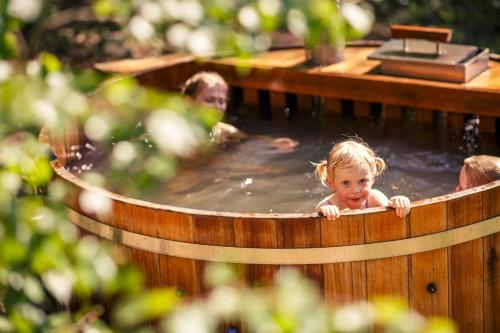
x,y
463,183
215,96
352,185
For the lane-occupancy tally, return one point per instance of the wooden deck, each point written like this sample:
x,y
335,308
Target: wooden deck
x,y
355,79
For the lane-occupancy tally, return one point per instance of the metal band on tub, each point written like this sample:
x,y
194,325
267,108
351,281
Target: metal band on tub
x,y
302,256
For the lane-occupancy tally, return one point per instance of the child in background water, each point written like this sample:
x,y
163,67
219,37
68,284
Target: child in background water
x,y
210,89
478,170
349,172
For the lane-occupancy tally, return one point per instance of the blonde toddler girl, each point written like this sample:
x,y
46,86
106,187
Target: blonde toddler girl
x,y
349,172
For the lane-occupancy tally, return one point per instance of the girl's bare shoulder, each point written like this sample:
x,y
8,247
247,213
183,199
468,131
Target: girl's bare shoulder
x,y
377,198
326,201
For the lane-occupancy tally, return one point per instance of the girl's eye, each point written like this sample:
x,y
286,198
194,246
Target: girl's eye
x,y
345,183
363,181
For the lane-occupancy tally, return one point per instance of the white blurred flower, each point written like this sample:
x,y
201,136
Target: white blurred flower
x,y
151,11
5,70
177,35
59,285
173,133
96,128
26,10
201,42
141,28
10,181
57,80
262,42
45,112
193,319
172,8
123,153
44,218
353,318
73,103
296,22
295,294
32,313
33,68
269,7
16,280
249,18
105,267
92,330
359,18
191,12
91,202
88,247
410,322
224,301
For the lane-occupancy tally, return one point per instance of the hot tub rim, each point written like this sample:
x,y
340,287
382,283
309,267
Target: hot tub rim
x,y
79,182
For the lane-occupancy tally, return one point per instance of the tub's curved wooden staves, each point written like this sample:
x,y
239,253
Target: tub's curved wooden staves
x,y
442,258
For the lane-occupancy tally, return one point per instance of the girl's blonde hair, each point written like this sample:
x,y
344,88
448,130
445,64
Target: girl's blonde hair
x,y
201,80
347,153
482,169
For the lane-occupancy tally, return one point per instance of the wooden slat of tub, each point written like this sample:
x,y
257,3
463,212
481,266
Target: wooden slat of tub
x,y
487,124
429,267
362,109
491,208
250,96
392,111
332,105
178,272
423,116
143,221
211,230
258,233
455,120
344,282
278,100
302,233
466,266
386,276
305,103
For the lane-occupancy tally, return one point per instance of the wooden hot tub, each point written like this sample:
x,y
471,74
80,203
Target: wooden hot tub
x,y
442,258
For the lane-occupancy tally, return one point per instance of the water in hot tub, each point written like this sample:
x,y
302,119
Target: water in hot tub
x,y
423,161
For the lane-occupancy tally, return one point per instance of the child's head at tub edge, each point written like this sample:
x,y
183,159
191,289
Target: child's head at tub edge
x,y
207,88
478,170
350,171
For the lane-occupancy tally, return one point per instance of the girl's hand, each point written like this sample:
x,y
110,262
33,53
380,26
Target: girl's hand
x,y
402,205
331,212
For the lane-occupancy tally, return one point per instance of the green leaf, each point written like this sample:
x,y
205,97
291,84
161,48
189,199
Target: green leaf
x,y
147,306
50,63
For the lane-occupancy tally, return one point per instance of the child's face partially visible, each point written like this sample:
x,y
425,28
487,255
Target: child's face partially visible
x,y
215,96
352,185
463,184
